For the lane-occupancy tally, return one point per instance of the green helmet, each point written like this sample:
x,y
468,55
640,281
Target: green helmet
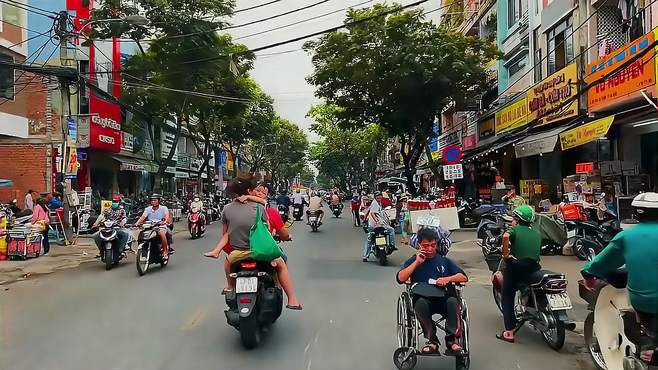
x,y
525,213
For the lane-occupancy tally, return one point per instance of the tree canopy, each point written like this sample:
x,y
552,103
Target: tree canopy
x,y
397,71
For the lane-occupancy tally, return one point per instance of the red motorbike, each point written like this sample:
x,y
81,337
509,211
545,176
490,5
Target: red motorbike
x,y
196,223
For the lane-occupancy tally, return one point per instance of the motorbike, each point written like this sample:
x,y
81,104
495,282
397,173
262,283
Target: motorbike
x,y
256,302
336,209
379,245
470,212
149,248
111,252
195,223
297,211
210,212
313,220
543,303
284,211
595,236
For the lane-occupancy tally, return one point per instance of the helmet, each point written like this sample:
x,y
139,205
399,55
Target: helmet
x,y
116,198
525,213
646,205
156,196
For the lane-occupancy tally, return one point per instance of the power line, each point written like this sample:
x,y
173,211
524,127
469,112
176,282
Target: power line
x,y
28,9
32,79
302,21
33,7
255,6
249,23
28,39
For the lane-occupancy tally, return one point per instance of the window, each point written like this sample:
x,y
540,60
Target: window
x,y
7,78
537,54
560,46
84,93
514,12
517,66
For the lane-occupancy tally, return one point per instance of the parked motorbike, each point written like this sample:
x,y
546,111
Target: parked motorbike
x,y
336,209
595,236
149,248
297,211
313,220
284,211
195,223
379,245
543,303
256,302
470,212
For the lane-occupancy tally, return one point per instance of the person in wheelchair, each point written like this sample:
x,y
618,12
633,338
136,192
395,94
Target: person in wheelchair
x,y
430,265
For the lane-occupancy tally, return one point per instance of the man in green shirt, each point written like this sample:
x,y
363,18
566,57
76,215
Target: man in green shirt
x,y
637,248
521,260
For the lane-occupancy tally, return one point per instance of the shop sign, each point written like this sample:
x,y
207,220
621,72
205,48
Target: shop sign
x,y
586,133
73,130
453,172
551,93
167,141
433,143
469,132
83,138
450,138
105,125
625,84
487,128
585,167
132,167
182,175
535,147
72,162
128,142
512,116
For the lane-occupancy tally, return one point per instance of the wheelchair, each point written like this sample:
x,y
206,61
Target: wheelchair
x,y
409,331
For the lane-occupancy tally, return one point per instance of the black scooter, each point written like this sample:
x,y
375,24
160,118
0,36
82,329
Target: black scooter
x,y
297,211
256,302
284,211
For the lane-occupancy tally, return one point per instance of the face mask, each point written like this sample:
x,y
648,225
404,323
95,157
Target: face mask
x,y
115,205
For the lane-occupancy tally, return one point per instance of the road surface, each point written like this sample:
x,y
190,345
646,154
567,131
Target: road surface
x,y
87,318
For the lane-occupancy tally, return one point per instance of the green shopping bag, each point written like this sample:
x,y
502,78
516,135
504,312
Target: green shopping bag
x,y
262,244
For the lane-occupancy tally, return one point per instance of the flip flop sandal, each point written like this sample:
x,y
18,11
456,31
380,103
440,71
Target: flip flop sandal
x,y
430,348
452,352
226,291
295,308
502,337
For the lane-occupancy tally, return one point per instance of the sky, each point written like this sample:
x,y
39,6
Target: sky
x,y
281,71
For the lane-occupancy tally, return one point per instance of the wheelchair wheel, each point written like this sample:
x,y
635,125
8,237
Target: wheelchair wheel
x,y
463,362
405,325
405,358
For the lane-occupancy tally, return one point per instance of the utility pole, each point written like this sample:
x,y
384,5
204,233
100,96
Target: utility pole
x,y
63,33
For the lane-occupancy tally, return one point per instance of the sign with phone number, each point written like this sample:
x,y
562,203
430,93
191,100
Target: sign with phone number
x,y
453,172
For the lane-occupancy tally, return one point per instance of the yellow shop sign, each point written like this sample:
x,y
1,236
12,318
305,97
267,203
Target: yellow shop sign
x,y
586,133
512,116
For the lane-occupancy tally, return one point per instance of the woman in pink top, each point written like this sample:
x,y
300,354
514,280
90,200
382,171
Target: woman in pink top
x,y
41,214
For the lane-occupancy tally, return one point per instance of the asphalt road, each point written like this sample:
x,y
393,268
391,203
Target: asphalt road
x,y
87,318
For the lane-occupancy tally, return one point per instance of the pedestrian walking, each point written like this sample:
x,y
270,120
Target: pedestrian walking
x,y
41,217
403,217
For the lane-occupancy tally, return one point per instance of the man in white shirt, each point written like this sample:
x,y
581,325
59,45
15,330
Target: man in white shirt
x,y
315,206
377,218
29,201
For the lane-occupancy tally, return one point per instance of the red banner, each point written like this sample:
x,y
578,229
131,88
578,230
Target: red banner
x,y
469,142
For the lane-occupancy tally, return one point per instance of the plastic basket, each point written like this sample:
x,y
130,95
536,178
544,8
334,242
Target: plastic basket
x,y
573,212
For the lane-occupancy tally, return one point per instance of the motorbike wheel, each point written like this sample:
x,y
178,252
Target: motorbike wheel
x,y
314,227
142,258
462,362
592,343
109,258
579,249
554,336
404,360
382,259
249,332
193,234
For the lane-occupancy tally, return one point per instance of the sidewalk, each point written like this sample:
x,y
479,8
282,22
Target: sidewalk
x,y
59,258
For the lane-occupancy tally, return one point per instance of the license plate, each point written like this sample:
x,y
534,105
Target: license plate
x,y
571,234
246,285
313,219
380,241
559,301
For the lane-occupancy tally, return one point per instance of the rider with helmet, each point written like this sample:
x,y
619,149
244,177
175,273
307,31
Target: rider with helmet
x,y
637,248
197,204
156,213
521,260
117,214
430,265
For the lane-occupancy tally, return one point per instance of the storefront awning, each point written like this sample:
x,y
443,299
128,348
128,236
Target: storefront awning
x,y
586,133
539,143
134,164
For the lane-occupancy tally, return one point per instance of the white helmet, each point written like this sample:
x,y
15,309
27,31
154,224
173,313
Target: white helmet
x,y
646,204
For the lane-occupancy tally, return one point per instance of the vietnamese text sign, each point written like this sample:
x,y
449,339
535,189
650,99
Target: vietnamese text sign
x,y
486,128
585,167
551,93
453,172
512,116
585,133
469,132
638,75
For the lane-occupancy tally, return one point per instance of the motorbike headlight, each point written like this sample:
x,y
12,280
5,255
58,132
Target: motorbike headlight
x,y
108,235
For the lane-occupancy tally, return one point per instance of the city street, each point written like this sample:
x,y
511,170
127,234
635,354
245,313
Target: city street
x,y
86,317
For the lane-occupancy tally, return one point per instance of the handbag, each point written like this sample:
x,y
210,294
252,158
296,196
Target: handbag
x,y
262,244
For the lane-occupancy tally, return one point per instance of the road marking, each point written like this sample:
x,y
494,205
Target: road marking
x,y
195,319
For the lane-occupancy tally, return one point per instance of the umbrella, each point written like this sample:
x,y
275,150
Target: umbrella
x,y
6,183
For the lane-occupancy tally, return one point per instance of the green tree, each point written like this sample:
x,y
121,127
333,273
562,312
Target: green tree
x,y
397,70
345,156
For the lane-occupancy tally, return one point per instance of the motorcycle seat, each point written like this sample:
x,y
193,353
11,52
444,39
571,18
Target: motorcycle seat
x,y
539,277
